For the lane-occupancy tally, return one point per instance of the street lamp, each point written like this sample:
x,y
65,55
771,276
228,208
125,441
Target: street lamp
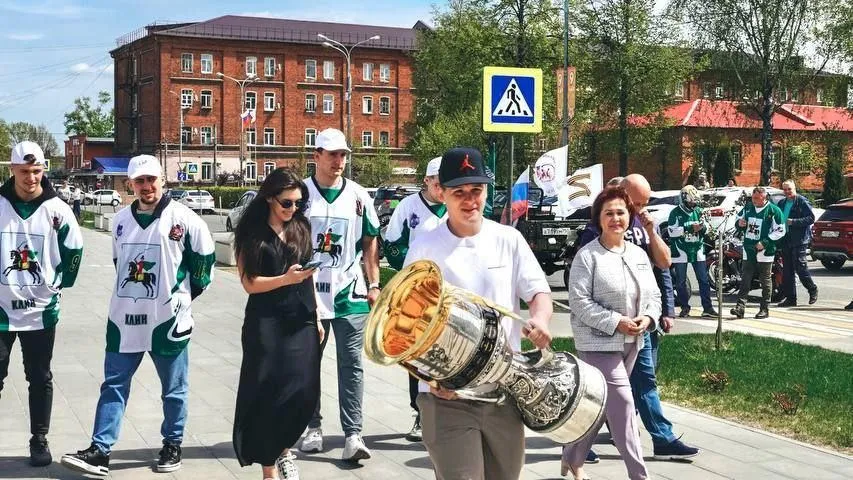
x,y
347,53
181,132
242,83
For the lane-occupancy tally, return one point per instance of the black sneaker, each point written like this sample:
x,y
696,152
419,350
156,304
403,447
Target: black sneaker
x,y
39,452
787,303
170,458
685,311
416,433
737,311
849,306
813,297
762,313
592,457
709,313
91,461
675,450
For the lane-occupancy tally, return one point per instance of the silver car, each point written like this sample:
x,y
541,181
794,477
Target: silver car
x,y
237,209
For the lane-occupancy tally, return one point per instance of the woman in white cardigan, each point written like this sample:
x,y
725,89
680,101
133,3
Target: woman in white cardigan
x,y
614,298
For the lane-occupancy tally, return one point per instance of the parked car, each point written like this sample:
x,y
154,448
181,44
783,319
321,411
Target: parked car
x,y
102,197
175,194
387,198
718,202
371,191
832,235
661,204
200,200
237,209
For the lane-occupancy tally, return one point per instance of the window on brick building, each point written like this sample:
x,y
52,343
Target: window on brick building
x,y
385,72
367,105
737,155
384,139
269,101
251,102
206,99
328,103
251,66
310,69
186,135
206,172
384,105
268,168
706,90
251,137
206,135
269,136
367,72
328,70
543,144
187,62
819,96
310,137
679,90
206,63
269,67
718,91
186,98
310,102
775,156
367,139
795,96
251,172
310,169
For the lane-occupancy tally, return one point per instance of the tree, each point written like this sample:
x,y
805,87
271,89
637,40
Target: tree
x,y
40,134
628,60
769,46
5,149
834,185
92,121
373,170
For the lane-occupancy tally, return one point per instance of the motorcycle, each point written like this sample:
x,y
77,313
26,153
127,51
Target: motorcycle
x,y
732,265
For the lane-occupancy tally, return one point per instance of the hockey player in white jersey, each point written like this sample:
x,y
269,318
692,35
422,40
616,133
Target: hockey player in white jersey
x,y
164,259
40,250
344,230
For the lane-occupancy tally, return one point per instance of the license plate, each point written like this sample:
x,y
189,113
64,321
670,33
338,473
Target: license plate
x,y
829,234
556,231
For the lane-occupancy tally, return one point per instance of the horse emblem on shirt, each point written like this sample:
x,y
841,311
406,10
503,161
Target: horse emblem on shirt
x,y
24,259
138,272
328,243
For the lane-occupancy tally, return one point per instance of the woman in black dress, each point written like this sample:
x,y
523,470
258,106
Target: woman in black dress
x,y
280,374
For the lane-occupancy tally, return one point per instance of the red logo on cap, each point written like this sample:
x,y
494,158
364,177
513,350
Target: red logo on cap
x,y
466,164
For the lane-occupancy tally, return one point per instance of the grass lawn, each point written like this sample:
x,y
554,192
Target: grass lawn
x,y
798,391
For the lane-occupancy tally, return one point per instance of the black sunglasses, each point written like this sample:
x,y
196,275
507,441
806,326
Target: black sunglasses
x,y
287,203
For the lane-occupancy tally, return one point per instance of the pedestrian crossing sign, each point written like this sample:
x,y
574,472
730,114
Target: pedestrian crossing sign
x,y
512,100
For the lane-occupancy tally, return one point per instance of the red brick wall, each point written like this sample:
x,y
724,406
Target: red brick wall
x,y
76,156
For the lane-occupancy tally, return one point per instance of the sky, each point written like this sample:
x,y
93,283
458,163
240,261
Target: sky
x,y
53,51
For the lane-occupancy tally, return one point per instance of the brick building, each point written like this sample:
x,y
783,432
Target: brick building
x,y
174,100
80,150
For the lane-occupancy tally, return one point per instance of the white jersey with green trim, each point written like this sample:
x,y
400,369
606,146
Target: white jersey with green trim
x,y
160,268
39,255
337,229
412,217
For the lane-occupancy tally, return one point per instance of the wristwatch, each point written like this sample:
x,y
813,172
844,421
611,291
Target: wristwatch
x,y
374,285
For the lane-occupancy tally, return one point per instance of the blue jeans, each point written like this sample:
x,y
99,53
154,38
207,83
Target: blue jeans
x,y
349,342
118,372
645,390
682,296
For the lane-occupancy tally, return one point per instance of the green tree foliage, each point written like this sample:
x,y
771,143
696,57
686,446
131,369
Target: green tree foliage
x,y
40,134
93,121
834,184
373,170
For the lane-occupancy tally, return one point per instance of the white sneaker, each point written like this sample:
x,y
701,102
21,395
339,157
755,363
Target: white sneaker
x,y
286,467
355,449
313,441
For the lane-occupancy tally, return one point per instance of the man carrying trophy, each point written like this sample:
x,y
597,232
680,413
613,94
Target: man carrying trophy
x,y
467,438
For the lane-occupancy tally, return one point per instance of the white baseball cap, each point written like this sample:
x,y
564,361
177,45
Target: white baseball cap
x,y
332,139
144,165
433,166
27,153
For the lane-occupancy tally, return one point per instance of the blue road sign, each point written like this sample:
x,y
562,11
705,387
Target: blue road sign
x,y
512,99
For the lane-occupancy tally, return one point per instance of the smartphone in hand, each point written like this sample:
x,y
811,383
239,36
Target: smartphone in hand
x,y
311,265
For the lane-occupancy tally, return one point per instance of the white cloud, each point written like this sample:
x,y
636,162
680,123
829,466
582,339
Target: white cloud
x,y
48,8
24,37
96,69
80,67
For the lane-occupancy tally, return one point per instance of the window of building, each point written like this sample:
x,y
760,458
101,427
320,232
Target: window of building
x,y
186,135
737,156
310,137
186,98
679,90
310,169
718,91
269,67
206,99
251,66
206,172
310,69
206,135
328,70
251,137
269,136
385,72
187,62
251,100
251,171
367,72
328,103
795,96
543,144
706,90
775,156
384,105
367,105
310,102
206,63
384,139
268,168
366,139
269,101
819,96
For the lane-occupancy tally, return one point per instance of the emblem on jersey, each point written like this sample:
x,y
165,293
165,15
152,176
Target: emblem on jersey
x,y
119,230
140,271
331,239
414,221
176,233
359,208
21,263
56,222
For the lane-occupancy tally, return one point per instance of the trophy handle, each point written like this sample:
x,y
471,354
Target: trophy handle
x,y
464,394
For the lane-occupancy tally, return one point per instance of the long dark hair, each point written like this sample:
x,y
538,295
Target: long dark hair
x,y
251,233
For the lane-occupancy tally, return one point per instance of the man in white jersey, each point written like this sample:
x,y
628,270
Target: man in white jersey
x,y
344,230
40,250
163,253
414,216
472,439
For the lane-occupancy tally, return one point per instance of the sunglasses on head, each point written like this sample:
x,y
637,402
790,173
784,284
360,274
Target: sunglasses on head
x,y
287,203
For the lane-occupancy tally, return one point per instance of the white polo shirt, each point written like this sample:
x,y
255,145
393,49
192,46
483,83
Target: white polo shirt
x,y
496,264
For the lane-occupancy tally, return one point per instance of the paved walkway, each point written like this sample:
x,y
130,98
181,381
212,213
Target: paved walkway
x,y
729,450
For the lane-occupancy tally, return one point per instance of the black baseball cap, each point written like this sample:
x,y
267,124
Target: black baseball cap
x,y
462,166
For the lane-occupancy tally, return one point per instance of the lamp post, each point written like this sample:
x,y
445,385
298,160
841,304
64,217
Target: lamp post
x,y
180,133
242,83
347,53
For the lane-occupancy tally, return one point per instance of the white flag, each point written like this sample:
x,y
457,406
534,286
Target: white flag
x,y
580,189
549,172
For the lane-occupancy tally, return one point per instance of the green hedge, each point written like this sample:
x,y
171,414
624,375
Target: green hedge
x,y
228,195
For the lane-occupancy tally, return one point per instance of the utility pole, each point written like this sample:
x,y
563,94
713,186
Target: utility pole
x,y
242,83
565,120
